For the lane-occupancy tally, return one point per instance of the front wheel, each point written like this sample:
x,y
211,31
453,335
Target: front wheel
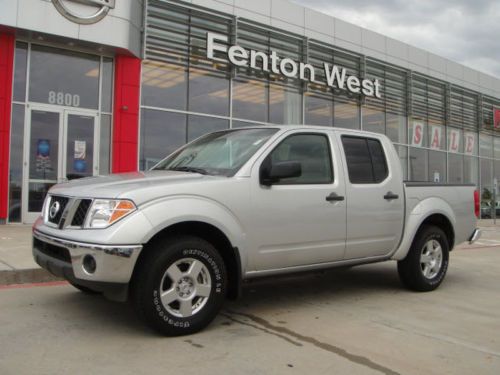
x,y
425,266
180,286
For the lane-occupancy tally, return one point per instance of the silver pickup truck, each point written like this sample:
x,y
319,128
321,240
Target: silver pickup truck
x,y
245,203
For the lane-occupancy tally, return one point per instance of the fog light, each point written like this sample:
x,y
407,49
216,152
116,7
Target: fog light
x,y
89,264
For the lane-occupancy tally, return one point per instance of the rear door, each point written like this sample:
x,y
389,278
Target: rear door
x,y
375,196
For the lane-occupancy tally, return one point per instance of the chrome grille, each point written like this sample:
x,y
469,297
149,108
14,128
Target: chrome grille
x,y
81,213
56,209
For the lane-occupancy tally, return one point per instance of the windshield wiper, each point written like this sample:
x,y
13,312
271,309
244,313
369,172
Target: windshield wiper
x,y
189,169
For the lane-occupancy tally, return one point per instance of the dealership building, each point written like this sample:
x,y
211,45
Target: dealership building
x,y
91,87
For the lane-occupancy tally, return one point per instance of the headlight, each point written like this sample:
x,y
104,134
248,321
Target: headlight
x,y
105,212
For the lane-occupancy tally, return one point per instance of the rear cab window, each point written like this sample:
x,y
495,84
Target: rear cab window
x,y
366,160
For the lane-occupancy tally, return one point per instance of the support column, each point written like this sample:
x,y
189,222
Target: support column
x,y
7,47
126,114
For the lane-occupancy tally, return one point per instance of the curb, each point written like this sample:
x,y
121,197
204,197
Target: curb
x,y
33,275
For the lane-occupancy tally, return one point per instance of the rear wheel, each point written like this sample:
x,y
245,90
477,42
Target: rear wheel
x,y
425,266
180,286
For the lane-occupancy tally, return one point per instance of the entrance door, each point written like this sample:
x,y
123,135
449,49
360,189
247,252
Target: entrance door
x,y
60,145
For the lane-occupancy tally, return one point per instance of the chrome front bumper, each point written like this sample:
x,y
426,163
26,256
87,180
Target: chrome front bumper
x,y
114,264
475,236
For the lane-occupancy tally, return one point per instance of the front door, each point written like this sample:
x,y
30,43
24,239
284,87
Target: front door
x,y
299,221
60,145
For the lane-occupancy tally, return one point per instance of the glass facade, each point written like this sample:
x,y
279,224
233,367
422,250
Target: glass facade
x,y
59,97
442,132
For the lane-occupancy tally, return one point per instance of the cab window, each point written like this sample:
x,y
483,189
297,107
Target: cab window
x,y
312,151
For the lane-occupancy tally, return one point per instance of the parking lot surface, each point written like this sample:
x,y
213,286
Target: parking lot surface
x,y
348,321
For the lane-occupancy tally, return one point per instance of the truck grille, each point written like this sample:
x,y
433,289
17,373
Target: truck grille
x,y
56,208
81,213
67,211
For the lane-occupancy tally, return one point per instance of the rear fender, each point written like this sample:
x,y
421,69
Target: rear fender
x,y
415,219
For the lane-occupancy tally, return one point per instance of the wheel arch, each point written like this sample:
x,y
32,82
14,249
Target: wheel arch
x,y
210,233
443,223
440,216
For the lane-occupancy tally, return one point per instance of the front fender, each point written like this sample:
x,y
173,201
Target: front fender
x,y
168,211
419,213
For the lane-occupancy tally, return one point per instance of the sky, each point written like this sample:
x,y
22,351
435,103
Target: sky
x,y
465,31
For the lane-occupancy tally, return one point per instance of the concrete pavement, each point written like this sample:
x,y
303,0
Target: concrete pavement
x,y
17,265
355,321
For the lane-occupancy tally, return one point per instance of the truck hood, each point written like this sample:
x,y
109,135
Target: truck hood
x,y
127,185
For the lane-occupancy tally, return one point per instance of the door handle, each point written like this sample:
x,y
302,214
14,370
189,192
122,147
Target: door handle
x,y
390,196
333,197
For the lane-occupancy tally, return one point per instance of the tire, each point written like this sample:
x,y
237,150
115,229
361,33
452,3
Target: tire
x,y
190,275
84,289
425,266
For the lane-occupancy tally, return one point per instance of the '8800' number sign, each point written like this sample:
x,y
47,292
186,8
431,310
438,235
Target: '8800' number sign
x,y
66,99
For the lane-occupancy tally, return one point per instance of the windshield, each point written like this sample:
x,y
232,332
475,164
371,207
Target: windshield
x,y
221,153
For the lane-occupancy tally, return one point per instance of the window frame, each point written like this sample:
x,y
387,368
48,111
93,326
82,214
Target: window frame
x,y
330,155
371,158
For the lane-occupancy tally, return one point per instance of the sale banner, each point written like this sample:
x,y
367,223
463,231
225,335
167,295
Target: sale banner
x,y
454,140
417,138
470,143
436,137
496,118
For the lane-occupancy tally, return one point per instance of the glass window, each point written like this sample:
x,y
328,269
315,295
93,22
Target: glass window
x,y
418,164
63,77
437,166
378,160
285,105
16,163
496,174
318,111
486,187
471,170
496,146
418,134
403,158
105,142
486,145
250,100
312,151
20,69
164,85
161,134
373,120
201,125
396,128
220,153
208,92
107,85
455,168
346,115
242,124
365,158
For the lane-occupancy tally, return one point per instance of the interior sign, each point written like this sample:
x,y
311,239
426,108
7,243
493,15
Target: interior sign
x,y
335,76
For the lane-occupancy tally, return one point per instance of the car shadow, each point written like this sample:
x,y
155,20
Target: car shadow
x,y
340,285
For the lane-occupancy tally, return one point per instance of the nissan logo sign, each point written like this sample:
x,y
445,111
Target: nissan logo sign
x,y
100,10
54,209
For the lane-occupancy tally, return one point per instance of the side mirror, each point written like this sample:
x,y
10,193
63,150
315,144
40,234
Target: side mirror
x,y
273,173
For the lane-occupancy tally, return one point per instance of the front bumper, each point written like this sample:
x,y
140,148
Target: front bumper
x,y
475,236
64,258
